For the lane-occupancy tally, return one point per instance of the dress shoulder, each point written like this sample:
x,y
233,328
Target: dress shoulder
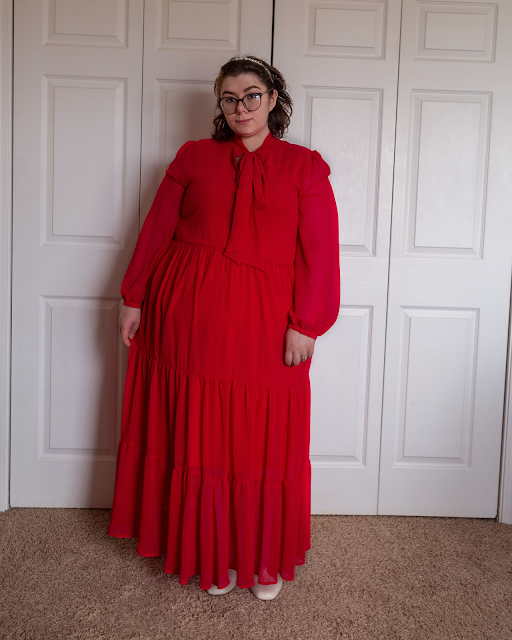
x,y
197,151
207,145
309,164
316,170
177,166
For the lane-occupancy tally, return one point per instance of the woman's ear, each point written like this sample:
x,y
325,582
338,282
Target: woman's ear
x,y
273,99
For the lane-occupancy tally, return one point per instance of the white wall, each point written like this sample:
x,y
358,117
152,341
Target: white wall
x,y
5,242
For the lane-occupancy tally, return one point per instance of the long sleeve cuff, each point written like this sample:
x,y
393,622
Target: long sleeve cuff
x,y
305,332
135,305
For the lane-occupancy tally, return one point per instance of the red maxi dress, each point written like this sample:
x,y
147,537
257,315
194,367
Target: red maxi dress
x,y
213,464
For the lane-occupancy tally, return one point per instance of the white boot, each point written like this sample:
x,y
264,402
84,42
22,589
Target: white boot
x,y
266,591
214,591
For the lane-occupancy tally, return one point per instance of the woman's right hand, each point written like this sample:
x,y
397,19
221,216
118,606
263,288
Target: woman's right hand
x,y
129,322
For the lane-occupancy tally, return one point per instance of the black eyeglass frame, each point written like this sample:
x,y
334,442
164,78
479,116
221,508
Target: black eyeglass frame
x,y
252,93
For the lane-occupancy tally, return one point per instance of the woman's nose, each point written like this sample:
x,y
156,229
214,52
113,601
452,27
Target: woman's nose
x,y
240,107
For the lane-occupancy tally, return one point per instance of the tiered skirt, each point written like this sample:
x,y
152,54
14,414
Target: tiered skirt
x,y
213,462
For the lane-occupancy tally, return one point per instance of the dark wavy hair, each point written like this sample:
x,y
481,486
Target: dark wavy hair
x,y
278,118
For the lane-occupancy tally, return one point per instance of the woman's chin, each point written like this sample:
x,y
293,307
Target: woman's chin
x,y
244,132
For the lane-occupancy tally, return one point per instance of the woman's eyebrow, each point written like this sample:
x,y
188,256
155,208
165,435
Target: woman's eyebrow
x,y
247,89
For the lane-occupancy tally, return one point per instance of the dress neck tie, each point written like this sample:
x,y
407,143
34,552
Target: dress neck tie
x,y
244,242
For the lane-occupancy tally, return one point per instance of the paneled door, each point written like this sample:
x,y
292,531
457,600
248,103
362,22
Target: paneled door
x,y
444,335
77,188
77,115
451,255
341,60
407,388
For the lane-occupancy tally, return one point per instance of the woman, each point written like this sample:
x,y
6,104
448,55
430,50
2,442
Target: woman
x,y
234,275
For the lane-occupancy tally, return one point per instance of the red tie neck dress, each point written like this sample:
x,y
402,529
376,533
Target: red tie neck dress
x,y
213,462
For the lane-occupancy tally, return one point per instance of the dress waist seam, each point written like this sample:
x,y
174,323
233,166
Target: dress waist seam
x,y
212,246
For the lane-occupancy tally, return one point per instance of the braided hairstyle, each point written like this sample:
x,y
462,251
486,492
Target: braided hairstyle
x,y
278,118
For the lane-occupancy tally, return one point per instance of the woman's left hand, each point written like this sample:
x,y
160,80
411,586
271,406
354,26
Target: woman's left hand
x,y
297,345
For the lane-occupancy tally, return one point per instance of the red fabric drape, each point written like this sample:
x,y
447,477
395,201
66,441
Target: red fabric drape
x,y
213,462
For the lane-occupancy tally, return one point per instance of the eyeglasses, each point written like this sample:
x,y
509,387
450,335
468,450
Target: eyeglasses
x,y
251,102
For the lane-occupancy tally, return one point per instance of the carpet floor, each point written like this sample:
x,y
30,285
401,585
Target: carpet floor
x,y
365,578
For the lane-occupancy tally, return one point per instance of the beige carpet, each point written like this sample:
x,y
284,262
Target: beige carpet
x,y
365,577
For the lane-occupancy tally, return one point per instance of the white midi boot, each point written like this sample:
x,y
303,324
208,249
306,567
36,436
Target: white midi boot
x,y
266,591
215,591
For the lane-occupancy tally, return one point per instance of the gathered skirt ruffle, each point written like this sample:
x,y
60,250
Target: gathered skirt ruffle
x,y
213,473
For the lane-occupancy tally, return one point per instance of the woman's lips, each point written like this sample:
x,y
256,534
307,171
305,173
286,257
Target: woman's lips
x,y
243,121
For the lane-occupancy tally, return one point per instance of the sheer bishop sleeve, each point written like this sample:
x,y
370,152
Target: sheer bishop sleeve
x,y
157,231
317,268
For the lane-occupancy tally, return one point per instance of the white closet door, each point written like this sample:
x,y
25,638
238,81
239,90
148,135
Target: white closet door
x,y
76,208
185,44
77,124
451,258
341,61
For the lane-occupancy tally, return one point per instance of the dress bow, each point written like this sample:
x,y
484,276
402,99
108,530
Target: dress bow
x,y
244,243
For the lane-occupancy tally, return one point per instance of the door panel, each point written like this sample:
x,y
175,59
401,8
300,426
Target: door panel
x,y
81,177
77,193
451,254
77,104
341,62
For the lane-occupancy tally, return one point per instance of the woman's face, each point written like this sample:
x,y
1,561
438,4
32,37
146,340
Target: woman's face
x,y
248,123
